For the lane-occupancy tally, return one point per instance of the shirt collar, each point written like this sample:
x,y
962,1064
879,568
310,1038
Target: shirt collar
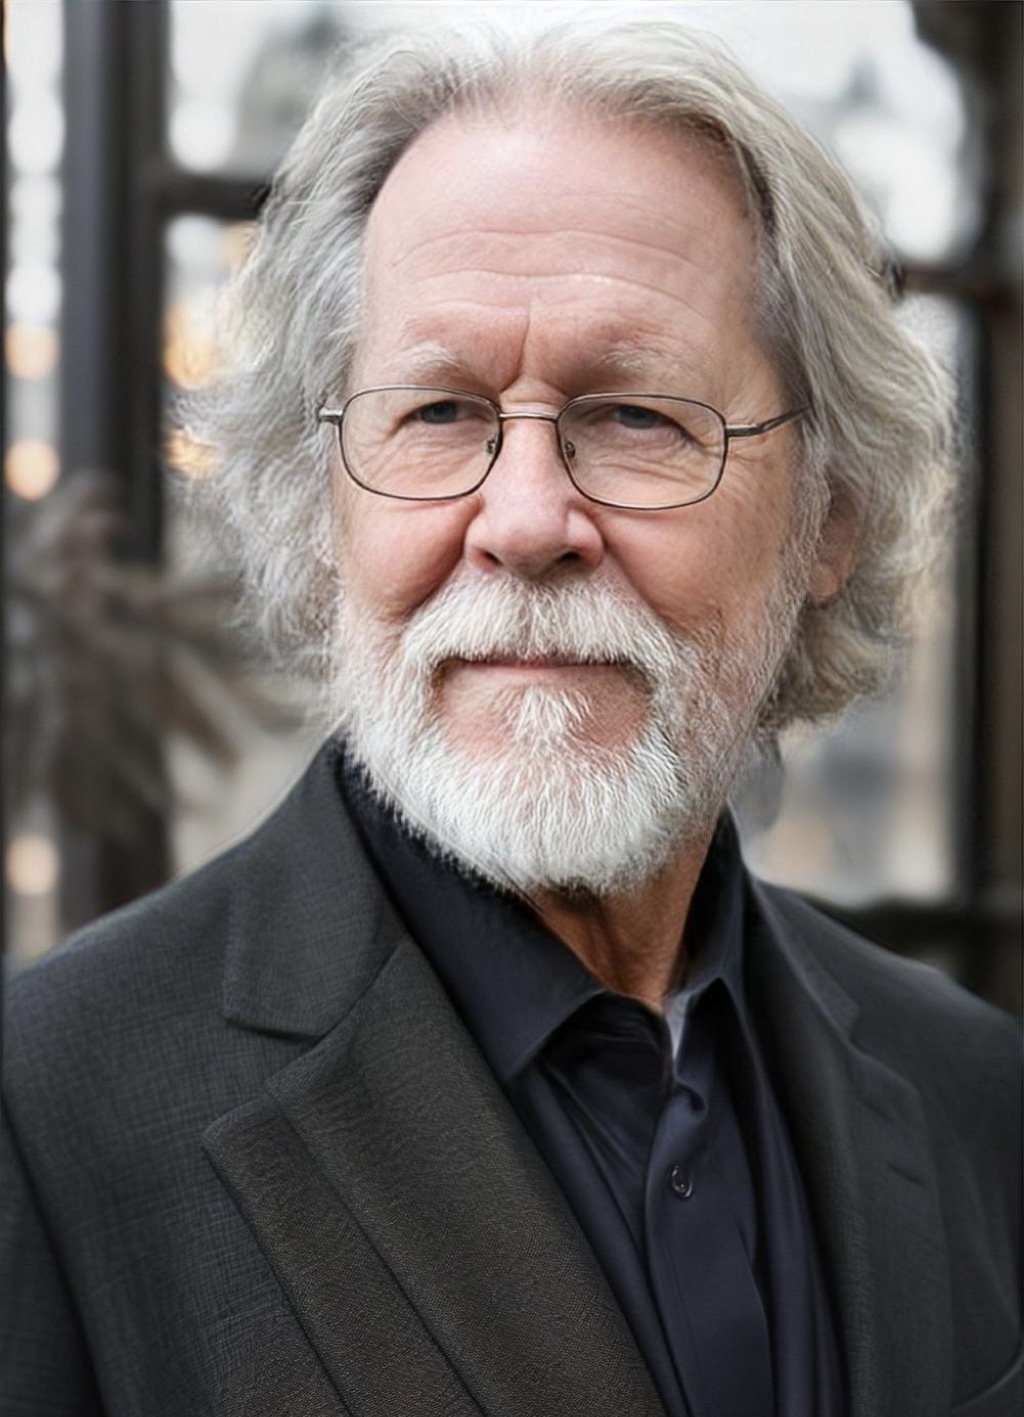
x,y
512,981
714,934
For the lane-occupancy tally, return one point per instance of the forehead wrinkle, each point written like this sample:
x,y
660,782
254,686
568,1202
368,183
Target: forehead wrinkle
x,y
619,330
529,256
487,299
629,365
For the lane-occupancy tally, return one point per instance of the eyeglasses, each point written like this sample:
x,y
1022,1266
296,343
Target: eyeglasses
x,y
642,452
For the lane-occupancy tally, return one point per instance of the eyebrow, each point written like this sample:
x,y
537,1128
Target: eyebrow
x,y
630,358
434,359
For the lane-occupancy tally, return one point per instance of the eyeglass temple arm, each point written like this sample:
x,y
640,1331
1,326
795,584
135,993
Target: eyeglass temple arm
x,y
753,430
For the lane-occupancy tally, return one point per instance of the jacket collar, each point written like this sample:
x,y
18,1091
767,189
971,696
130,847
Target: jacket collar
x,y
302,887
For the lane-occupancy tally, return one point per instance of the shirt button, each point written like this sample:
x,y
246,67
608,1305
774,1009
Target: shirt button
x,y
680,1182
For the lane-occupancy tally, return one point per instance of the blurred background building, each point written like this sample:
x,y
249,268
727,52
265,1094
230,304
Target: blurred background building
x,y
140,735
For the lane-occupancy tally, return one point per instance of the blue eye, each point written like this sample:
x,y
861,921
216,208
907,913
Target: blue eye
x,y
631,415
445,411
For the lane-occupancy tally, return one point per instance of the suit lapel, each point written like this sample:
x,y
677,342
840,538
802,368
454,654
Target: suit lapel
x,y
860,1136
429,1256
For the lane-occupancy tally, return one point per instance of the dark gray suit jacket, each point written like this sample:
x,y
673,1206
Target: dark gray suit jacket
x,y
258,1167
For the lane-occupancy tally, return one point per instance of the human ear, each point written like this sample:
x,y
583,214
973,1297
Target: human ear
x,y
836,553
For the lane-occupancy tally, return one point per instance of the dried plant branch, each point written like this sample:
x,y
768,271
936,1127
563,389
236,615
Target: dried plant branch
x,y
106,659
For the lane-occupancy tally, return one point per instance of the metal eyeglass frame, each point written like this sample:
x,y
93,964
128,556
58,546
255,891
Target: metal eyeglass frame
x,y
336,417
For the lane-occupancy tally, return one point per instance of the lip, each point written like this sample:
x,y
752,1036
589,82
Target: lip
x,y
536,662
538,667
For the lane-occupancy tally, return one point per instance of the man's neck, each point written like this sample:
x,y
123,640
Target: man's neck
x,y
632,942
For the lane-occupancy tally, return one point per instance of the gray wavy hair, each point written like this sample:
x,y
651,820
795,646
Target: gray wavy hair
x,y
876,444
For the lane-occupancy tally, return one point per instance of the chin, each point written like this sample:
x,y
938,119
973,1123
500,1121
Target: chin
x,y
538,719
539,805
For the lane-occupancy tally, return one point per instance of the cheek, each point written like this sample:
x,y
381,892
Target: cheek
x,y
703,574
395,555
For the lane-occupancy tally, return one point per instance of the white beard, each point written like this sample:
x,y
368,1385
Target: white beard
x,y
544,807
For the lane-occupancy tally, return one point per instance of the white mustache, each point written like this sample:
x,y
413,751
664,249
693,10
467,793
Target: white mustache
x,y
579,622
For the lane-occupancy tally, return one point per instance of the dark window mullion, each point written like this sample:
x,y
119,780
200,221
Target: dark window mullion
x,y
110,340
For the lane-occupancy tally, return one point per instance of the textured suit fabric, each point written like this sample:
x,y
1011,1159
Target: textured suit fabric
x,y
255,1165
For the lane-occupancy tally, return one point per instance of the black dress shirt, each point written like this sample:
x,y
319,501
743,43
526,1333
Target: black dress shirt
x,y
662,1129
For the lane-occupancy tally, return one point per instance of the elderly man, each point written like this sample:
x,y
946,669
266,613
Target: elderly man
x,y
569,427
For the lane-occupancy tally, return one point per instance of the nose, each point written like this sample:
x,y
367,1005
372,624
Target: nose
x,y
530,520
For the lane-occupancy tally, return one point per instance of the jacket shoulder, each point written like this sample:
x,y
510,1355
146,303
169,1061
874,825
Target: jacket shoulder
x,y
144,957
163,957
910,1015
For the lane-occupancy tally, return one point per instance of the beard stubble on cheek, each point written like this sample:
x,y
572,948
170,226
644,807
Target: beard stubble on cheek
x,y
535,797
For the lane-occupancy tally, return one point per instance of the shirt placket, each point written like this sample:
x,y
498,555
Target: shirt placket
x,y
700,1235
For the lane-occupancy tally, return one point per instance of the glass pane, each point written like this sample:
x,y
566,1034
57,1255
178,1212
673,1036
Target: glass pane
x,y
242,76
